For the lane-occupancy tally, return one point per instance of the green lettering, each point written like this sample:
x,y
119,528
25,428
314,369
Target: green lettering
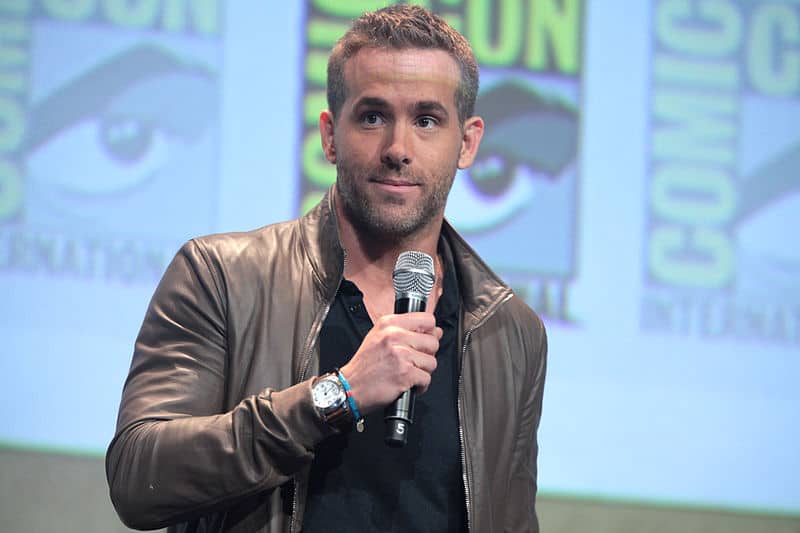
x,y
316,167
132,14
707,27
313,104
18,7
316,68
10,189
351,8
554,31
204,15
324,33
455,20
12,81
13,30
310,199
773,54
697,257
12,124
508,42
13,59
69,9
696,72
694,126
692,194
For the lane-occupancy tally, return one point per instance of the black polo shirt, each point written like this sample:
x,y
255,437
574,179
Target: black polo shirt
x,y
357,482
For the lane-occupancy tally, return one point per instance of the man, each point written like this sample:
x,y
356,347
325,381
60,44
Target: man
x,y
234,416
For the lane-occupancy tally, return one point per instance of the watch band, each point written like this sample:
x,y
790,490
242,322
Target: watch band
x,y
338,416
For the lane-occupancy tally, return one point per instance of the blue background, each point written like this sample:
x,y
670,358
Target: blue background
x,y
628,414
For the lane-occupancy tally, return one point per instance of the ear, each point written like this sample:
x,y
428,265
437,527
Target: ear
x,y
470,141
326,135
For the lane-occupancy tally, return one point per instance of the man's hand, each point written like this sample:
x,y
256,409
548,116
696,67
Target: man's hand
x,y
397,354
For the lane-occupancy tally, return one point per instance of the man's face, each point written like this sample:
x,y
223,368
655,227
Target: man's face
x,y
397,140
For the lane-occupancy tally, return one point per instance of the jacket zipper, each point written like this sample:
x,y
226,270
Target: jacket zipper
x,y
464,459
303,372
306,364
464,467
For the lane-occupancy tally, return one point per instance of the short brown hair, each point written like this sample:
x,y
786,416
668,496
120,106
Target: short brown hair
x,y
399,27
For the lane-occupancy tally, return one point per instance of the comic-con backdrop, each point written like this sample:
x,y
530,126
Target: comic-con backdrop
x,y
638,185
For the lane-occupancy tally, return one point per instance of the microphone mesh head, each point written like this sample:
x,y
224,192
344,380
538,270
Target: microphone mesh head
x,y
413,274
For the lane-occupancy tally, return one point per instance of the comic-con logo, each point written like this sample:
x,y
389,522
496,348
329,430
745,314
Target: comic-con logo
x,y
119,121
724,190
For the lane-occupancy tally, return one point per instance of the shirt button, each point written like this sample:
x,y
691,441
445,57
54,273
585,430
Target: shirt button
x,y
355,308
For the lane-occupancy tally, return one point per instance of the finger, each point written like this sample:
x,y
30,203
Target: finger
x,y
419,321
425,362
427,343
413,365
422,381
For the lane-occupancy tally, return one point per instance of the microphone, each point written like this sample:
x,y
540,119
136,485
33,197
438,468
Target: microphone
x,y
413,280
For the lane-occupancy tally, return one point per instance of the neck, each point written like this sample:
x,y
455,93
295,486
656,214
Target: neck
x,y
367,252
371,261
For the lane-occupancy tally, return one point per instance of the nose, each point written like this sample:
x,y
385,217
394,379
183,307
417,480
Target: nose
x,y
396,152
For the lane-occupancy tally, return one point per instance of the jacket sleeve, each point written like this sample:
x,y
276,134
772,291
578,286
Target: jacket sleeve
x,y
523,481
175,453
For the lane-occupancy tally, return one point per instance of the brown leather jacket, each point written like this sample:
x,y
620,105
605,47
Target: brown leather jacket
x,y
216,428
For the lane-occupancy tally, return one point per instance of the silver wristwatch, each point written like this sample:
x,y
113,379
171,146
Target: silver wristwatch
x,y
330,400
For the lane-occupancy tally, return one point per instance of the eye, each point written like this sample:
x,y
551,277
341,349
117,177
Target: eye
x,y
497,190
101,164
427,122
122,152
126,139
488,194
371,119
492,176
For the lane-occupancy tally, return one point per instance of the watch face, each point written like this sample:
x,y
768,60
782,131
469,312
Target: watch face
x,y
326,393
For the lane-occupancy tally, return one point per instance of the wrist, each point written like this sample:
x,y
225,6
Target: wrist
x,y
330,400
358,419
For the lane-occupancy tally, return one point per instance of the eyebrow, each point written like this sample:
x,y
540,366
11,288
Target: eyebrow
x,y
430,106
371,101
423,106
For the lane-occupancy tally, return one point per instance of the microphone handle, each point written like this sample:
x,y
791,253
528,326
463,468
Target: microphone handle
x,y
399,415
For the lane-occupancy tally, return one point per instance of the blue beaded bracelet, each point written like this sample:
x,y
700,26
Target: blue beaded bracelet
x,y
349,393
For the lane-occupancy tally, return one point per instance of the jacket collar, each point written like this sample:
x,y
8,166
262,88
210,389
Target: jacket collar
x,y
482,291
320,236
480,288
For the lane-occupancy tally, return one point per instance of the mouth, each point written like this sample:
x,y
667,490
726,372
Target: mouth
x,y
398,183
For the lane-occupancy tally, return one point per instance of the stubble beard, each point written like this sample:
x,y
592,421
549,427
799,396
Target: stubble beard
x,y
369,216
